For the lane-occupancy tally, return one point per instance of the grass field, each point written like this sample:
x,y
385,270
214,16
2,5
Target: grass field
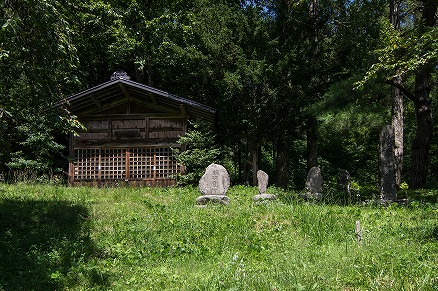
x,y
60,238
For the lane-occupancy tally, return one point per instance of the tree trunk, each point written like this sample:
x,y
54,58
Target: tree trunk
x,y
149,71
251,167
423,109
247,165
394,13
312,143
282,163
423,137
239,163
397,126
253,160
397,121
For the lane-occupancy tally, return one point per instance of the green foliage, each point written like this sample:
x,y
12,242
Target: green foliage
x,y
34,150
265,65
5,123
156,239
200,151
39,66
408,50
350,121
402,52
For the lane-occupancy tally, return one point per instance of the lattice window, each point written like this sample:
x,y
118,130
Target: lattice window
x,y
165,164
141,163
86,164
113,164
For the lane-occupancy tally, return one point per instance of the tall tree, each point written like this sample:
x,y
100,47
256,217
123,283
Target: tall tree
x,y
348,119
305,68
397,102
38,62
247,102
421,98
413,52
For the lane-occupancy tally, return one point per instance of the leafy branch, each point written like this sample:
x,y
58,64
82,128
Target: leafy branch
x,y
402,53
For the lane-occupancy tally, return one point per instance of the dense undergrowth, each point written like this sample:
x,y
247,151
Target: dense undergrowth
x,y
60,238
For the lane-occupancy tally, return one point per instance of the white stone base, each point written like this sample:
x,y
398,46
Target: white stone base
x,y
215,199
264,197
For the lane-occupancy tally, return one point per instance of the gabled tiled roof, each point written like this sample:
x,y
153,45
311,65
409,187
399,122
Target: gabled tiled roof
x,y
121,89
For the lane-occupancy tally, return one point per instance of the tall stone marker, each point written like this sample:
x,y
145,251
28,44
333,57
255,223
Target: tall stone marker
x,y
214,185
263,179
388,189
314,183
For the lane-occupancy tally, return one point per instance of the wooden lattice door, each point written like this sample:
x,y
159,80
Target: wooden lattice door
x,y
165,164
113,164
86,165
152,165
141,163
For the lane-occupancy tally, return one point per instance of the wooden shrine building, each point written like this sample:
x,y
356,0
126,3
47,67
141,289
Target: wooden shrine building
x,y
130,129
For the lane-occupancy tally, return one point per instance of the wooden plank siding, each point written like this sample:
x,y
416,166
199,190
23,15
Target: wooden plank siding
x,y
148,128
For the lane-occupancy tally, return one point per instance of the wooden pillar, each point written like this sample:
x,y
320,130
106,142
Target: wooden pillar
x,y
146,130
71,173
71,155
99,168
127,162
154,170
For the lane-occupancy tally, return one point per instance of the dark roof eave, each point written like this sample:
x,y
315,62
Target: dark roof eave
x,y
139,86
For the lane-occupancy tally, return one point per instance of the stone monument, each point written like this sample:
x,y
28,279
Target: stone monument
x,y
263,179
314,184
388,189
344,181
214,185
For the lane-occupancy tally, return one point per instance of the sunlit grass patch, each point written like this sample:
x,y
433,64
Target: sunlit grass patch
x,y
54,237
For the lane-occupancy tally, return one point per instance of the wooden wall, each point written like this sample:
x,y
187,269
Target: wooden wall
x,y
135,129
131,151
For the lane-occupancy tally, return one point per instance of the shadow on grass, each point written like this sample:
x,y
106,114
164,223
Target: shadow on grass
x,y
44,246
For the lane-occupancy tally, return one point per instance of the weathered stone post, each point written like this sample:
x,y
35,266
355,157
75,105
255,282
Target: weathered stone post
x,y
262,179
387,187
314,184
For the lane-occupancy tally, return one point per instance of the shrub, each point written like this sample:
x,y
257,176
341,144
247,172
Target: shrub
x,y
200,151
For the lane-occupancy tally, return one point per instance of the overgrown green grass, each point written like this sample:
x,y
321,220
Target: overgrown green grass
x,y
54,237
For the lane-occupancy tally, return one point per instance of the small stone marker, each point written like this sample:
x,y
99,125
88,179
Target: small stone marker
x,y
358,232
214,185
344,180
263,179
314,183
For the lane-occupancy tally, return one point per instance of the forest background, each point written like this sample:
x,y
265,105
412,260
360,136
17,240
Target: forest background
x,y
296,83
